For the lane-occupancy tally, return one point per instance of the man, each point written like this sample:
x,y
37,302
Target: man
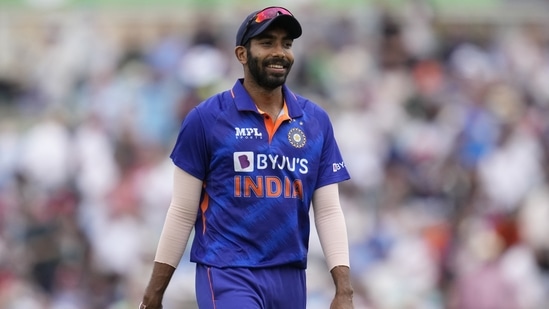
x,y
249,162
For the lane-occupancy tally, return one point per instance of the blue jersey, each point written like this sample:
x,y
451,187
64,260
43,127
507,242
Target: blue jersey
x,y
259,177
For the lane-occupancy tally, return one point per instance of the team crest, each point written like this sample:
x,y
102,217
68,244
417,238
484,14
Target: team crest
x,y
297,138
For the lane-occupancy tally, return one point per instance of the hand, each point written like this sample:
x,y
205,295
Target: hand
x,y
342,302
343,298
143,306
151,301
160,278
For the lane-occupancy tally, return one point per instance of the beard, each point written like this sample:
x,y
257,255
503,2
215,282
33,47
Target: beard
x,y
263,79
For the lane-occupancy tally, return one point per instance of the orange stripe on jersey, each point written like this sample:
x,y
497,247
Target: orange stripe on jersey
x,y
211,286
273,126
203,208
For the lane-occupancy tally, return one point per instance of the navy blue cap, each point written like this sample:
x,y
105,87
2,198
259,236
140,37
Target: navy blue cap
x,y
251,28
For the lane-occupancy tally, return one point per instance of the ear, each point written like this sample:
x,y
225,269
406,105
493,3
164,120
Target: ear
x,y
241,54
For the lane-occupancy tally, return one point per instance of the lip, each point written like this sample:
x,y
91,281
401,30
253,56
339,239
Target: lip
x,y
276,68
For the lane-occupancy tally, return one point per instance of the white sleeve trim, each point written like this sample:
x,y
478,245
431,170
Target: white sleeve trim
x,y
180,218
331,226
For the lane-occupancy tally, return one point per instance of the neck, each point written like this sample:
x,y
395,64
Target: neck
x,y
270,101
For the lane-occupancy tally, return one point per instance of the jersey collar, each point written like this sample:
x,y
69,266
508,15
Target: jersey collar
x,y
244,102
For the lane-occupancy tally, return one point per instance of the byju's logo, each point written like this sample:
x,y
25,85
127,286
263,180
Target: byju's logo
x,y
243,161
338,166
248,133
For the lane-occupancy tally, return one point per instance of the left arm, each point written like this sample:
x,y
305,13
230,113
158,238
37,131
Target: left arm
x,y
332,232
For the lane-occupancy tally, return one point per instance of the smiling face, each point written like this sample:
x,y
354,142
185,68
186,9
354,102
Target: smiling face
x,y
269,58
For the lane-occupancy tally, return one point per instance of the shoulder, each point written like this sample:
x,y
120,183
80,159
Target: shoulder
x,y
216,103
312,108
212,107
301,106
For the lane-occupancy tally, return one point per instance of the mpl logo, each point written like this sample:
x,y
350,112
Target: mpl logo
x,y
243,161
248,133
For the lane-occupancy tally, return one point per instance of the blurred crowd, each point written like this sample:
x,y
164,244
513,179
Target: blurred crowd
x,y
444,128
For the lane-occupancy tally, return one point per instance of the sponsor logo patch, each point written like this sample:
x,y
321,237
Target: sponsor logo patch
x,y
248,133
243,161
338,166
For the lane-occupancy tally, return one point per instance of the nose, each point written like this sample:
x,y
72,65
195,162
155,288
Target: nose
x,y
278,50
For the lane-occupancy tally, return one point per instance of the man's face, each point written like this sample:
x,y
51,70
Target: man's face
x,y
270,58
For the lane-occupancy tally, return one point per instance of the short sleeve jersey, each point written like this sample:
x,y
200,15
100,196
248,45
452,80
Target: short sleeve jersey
x,y
254,208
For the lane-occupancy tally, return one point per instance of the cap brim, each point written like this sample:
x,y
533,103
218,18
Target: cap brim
x,y
287,22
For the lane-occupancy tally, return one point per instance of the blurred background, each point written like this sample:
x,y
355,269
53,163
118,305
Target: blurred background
x,y
441,110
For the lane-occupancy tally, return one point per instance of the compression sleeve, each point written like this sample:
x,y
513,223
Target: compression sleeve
x,y
180,218
330,225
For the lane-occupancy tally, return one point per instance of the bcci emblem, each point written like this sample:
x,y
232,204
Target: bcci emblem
x,y
297,138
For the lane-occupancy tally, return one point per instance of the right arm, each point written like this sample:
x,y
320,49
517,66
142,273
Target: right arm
x,y
332,232
177,228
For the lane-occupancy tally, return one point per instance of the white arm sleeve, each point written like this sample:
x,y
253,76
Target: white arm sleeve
x,y
331,226
180,218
